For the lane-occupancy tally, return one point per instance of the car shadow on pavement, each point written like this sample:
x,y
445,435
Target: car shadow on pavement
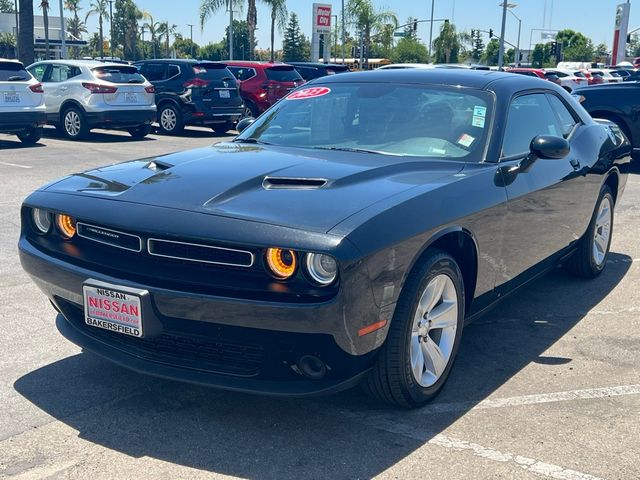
x,y
8,143
98,136
337,436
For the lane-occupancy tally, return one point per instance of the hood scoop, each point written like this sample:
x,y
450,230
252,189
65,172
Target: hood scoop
x,y
291,183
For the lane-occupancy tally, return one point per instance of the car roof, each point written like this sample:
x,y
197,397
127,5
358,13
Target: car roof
x,y
176,60
10,60
256,63
478,79
400,66
80,63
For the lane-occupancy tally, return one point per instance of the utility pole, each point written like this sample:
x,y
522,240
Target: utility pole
x,y
343,59
15,9
191,38
229,3
431,29
504,24
361,34
111,25
144,50
63,52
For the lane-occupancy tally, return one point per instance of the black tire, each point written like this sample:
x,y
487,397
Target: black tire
x,y
139,132
583,262
391,380
74,123
31,136
250,110
223,128
170,119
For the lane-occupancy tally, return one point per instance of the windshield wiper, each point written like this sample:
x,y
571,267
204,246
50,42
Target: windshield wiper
x,y
356,150
250,140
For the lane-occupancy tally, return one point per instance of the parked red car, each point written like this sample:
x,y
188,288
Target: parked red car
x,y
537,72
263,83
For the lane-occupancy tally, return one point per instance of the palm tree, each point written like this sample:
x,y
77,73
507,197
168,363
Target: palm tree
x,y
367,20
278,14
154,28
44,5
447,44
25,35
75,26
166,31
101,9
211,7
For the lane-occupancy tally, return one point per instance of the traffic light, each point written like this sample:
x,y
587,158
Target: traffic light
x,y
355,52
554,49
628,38
415,25
491,33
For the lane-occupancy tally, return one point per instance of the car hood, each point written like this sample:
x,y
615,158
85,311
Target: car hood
x,y
299,188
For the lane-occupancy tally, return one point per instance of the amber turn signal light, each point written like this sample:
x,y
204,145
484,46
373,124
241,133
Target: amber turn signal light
x,y
66,225
281,262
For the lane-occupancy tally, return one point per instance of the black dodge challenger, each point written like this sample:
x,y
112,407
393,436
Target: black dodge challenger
x,y
345,236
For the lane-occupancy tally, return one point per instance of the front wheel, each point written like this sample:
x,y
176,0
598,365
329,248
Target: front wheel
x,y
424,336
30,136
590,258
139,132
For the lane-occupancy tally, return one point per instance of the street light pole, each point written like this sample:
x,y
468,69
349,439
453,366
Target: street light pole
x,y
516,57
335,40
15,9
504,24
111,25
144,50
431,29
343,59
191,38
229,3
63,52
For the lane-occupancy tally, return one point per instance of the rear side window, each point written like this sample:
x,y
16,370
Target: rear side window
x,y
280,74
154,72
62,73
579,74
13,72
124,74
212,71
173,71
242,73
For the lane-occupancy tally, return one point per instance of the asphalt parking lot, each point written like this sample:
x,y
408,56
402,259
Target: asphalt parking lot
x,y
545,386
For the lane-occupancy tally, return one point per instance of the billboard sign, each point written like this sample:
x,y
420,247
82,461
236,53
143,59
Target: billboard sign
x,y
620,33
321,18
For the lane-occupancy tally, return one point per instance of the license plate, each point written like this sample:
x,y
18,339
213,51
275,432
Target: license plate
x,y
11,98
131,97
113,310
225,94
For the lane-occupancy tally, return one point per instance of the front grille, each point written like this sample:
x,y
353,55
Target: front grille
x,y
203,353
200,253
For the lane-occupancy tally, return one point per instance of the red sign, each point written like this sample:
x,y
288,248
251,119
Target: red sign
x,y
323,18
312,92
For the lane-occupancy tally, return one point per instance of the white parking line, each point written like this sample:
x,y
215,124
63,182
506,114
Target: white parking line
x,y
585,394
14,165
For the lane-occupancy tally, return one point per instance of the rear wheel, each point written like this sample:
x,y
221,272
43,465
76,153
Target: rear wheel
x,y
170,119
139,132
590,257
250,110
74,124
424,336
30,136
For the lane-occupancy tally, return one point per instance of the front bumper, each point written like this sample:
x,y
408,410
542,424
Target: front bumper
x,y
19,121
232,344
121,118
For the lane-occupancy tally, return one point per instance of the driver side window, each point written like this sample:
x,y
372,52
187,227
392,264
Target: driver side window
x,y
529,116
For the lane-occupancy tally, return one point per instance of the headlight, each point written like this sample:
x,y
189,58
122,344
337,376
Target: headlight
x,y
282,263
323,269
66,225
41,220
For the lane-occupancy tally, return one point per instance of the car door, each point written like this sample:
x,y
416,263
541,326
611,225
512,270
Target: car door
x,y
55,85
543,202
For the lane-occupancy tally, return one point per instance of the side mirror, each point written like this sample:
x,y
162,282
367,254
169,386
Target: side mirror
x,y
546,147
244,123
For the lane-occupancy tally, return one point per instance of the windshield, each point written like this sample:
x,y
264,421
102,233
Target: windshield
x,y
283,74
392,119
113,74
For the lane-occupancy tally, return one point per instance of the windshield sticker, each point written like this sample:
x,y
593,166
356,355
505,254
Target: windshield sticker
x,y
478,121
309,93
479,111
466,140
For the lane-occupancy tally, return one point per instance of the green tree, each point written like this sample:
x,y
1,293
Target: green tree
x,y
6,6
293,42
490,55
279,16
509,56
154,29
25,37
214,51
368,20
75,26
44,5
184,47
447,44
602,52
211,7
166,31
633,47
7,45
101,9
541,56
410,50
125,28
576,47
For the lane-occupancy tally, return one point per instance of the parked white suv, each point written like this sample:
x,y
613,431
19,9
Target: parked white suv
x,y
81,95
22,110
569,79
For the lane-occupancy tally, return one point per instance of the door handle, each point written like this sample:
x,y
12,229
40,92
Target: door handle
x,y
575,163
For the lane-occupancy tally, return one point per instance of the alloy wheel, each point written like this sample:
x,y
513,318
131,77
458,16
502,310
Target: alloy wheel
x,y
72,123
602,232
434,330
168,119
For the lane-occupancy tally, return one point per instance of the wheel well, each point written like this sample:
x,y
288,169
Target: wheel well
x,y
615,118
164,102
461,246
70,103
612,182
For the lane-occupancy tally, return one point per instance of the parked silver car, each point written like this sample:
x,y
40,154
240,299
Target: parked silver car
x,y
22,108
81,95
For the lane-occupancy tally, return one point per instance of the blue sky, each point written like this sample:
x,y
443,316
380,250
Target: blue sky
x,y
595,18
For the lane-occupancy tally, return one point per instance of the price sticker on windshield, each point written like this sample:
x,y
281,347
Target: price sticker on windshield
x,y
312,92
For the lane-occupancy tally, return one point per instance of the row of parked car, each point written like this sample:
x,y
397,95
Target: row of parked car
x,y
76,96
